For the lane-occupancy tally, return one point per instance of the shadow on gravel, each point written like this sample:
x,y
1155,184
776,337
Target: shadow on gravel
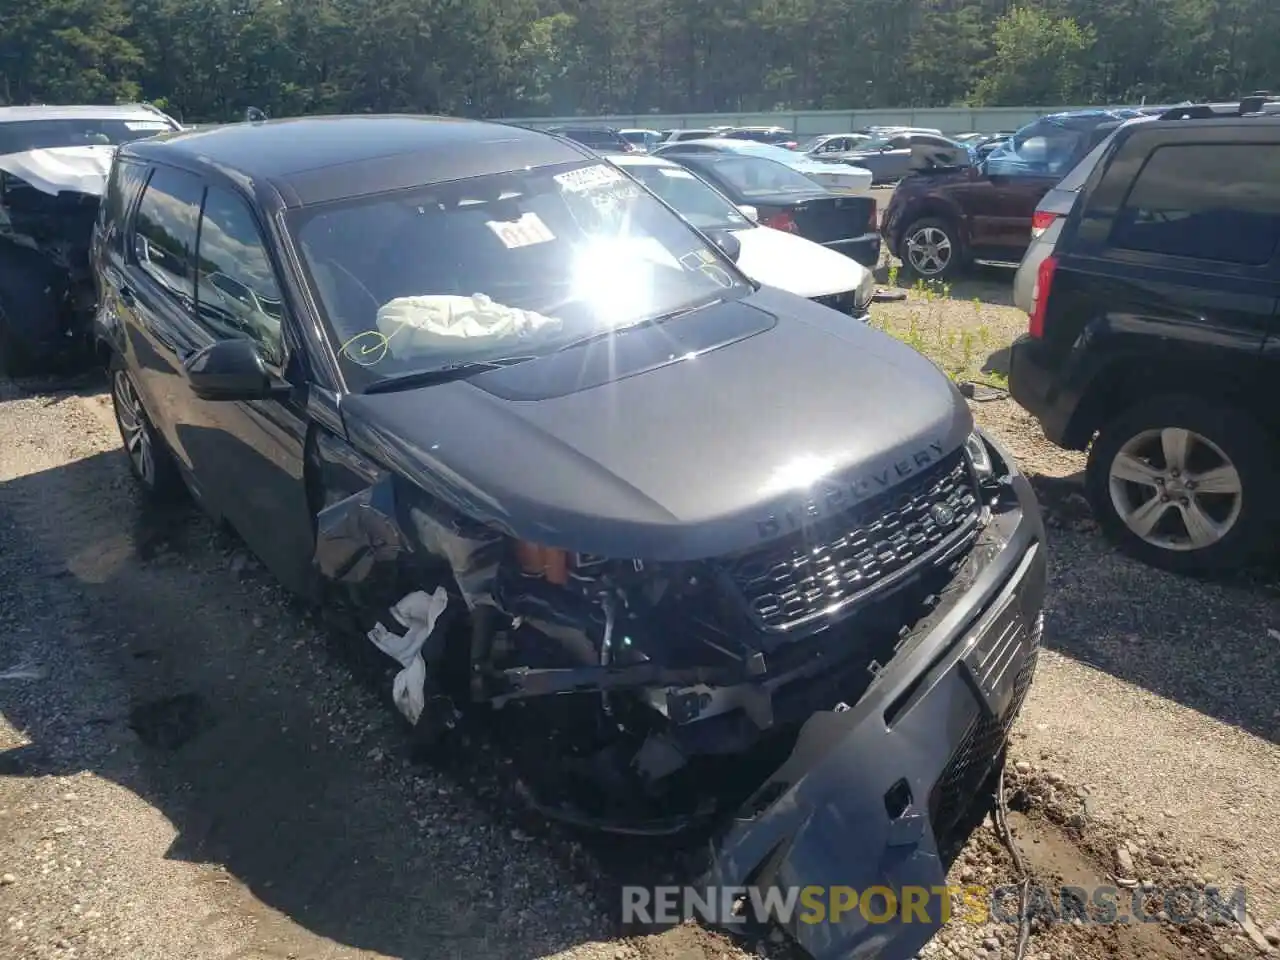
x,y
188,678
1209,644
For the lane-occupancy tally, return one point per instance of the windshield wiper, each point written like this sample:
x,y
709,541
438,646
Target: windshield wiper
x,y
445,374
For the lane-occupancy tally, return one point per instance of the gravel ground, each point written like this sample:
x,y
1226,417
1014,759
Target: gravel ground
x,y
189,765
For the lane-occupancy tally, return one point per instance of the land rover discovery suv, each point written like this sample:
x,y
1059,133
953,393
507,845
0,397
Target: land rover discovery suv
x,y
696,552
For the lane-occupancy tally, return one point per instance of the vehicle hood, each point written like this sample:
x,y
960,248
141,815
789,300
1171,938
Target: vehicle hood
x,y
683,440
795,264
63,169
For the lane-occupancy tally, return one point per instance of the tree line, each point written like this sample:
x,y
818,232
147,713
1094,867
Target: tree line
x,y
209,60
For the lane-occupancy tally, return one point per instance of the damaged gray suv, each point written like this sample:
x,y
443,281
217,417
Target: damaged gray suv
x,y
700,554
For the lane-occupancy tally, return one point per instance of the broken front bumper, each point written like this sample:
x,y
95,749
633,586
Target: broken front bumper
x,y
871,794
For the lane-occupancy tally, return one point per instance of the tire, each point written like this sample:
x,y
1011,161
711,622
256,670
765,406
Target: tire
x,y
937,234
1133,462
150,461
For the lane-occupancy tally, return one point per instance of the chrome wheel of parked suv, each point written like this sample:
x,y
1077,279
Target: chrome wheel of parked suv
x,y
930,250
149,460
1180,481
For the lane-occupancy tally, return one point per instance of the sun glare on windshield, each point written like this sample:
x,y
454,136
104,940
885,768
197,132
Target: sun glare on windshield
x,y
615,276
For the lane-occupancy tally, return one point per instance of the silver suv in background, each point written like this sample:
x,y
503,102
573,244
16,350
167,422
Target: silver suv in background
x,y
1051,213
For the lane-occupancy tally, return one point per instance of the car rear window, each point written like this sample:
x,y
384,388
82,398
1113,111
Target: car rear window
x,y
1074,180
759,177
1217,202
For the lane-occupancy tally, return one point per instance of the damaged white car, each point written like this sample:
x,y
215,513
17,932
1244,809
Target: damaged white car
x,y
53,173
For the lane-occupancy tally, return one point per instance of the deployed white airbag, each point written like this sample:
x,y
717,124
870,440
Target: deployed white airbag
x,y
418,613
437,323
62,169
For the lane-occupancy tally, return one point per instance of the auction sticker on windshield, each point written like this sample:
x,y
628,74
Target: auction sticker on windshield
x,y
525,232
675,174
588,178
136,125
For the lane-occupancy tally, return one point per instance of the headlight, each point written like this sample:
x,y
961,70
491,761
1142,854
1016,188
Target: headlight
x,y
866,290
976,449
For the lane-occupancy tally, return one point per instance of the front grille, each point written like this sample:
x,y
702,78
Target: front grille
x,y
954,793
818,571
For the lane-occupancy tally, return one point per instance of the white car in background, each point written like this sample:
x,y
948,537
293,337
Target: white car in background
x,y
773,257
836,177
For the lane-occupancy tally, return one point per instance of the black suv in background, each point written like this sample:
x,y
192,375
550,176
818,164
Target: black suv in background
x,y
1153,335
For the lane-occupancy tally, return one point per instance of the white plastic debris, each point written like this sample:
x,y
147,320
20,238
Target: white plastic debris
x,y
57,169
417,613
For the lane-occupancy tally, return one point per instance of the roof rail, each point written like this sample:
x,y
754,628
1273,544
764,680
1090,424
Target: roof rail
x,y
1247,106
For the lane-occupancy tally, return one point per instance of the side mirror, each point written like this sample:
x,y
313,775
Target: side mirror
x,y
750,212
228,370
729,245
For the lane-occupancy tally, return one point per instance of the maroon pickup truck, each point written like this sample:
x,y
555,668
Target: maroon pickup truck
x,y
943,220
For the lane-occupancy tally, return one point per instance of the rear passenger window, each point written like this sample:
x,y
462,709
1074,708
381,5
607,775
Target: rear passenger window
x,y
127,178
164,230
1217,202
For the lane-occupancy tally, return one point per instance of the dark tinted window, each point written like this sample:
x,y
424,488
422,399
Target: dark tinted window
x,y
1209,202
239,296
929,140
126,180
165,229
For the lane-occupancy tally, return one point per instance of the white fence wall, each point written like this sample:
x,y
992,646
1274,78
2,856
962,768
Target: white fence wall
x,y
813,122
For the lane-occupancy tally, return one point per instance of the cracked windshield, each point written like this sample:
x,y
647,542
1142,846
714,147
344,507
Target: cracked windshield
x,y
515,264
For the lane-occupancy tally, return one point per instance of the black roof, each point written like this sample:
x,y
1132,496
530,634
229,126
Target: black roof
x,y
314,159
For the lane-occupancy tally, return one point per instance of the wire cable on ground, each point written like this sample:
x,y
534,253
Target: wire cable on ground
x,y
1006,837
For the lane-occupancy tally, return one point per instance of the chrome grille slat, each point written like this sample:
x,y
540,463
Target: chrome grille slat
x,y
808,574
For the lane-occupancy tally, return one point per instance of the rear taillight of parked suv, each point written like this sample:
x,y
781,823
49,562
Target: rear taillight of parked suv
x,y
1040,295
782,220
873,222
1041,221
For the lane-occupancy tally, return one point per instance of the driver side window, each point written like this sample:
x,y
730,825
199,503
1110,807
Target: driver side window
x,y
238,295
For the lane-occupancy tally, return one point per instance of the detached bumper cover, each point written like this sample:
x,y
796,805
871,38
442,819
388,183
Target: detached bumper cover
x,y
870,794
